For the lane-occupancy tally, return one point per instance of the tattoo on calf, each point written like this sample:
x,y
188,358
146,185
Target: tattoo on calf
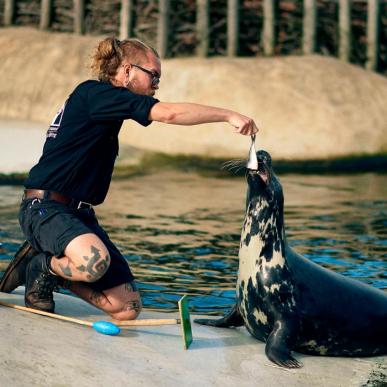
x,y
133,305
96,265
95,297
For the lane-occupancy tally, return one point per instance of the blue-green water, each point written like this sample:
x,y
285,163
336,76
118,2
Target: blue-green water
x,y
180,231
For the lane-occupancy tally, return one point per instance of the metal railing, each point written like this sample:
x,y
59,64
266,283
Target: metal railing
x,y
203,30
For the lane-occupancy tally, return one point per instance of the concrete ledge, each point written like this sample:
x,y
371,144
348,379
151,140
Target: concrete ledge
x,y
39,351
22,144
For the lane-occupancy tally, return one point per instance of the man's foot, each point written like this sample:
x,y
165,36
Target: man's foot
x,y
40,284
15,275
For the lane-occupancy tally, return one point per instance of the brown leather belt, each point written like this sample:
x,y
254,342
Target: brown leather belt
x,y
58,197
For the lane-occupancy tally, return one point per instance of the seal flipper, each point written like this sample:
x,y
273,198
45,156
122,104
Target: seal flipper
x,y
277,344
232,319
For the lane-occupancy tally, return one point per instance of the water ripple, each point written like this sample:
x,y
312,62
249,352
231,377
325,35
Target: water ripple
x,y
180,232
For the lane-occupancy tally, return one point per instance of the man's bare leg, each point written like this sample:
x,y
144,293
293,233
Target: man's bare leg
x,y
86,260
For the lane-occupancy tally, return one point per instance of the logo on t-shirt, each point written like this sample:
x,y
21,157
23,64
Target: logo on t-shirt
x,y
55,124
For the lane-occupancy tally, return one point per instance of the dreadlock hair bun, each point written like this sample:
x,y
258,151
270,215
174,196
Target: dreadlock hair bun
x,y
111,52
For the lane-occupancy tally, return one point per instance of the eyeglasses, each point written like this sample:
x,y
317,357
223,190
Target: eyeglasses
x,y
155,75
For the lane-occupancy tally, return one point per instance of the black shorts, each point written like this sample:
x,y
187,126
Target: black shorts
x,y
50,226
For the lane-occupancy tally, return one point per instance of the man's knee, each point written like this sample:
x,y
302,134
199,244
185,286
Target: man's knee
x,y
95,267
89,256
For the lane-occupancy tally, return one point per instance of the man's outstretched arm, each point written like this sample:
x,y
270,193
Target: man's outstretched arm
x,y
194,114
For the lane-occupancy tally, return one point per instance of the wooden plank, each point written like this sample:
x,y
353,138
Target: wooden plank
x,y
268,36
45,14
9,12
163,28
309,28
202,27
373,21
344,30
232,27
126,19
79,16
147,322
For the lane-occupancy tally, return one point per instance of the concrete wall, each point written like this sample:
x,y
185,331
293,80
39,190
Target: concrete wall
x,y
306,107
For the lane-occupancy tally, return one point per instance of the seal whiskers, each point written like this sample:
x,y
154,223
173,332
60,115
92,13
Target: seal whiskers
x,y
234,165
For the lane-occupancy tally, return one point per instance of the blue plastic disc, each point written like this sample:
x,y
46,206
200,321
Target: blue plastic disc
x,y
106,328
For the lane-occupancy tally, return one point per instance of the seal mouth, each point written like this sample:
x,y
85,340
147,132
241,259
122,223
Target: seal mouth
x,y
262,172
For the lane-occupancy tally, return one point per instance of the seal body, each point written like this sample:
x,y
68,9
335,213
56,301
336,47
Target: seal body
x,y
288,301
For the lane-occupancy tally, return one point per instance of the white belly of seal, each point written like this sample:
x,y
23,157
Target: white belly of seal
x,y
248,267
251,264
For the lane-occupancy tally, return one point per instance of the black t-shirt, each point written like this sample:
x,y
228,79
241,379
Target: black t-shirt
x,y
82,141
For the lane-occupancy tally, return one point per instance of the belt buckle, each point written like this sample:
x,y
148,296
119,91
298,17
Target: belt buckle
x,y
80,204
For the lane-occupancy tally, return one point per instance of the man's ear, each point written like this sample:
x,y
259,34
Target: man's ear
x,y
127,68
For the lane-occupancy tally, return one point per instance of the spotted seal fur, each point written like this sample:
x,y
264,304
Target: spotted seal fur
x,y
288,301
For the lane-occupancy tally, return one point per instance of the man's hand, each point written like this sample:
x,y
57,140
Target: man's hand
x,y
242,124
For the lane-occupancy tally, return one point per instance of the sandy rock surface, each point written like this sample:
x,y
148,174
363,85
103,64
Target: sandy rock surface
x,y
306,107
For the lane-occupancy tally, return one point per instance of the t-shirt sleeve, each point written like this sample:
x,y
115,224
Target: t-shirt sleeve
x,y
107,102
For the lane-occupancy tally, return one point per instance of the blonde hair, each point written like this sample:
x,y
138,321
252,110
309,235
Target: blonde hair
x,y
110,53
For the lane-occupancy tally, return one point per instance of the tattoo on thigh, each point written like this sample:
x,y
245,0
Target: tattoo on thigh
x,y
66,270
95,264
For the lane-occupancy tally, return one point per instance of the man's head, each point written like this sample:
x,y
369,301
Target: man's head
x,y
128,63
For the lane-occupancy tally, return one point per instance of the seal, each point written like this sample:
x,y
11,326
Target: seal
x,y
288,301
